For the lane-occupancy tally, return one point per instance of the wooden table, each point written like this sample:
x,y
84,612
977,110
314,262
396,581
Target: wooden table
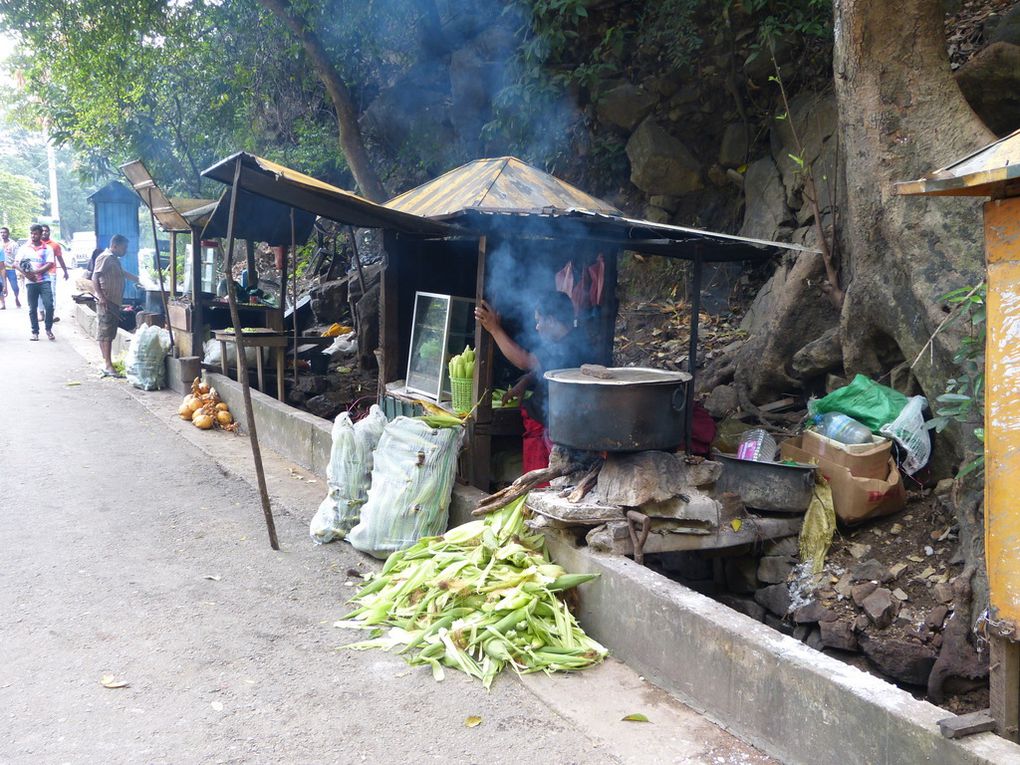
x,y
256,338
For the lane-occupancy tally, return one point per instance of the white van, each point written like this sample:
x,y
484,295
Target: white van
x,y
83,243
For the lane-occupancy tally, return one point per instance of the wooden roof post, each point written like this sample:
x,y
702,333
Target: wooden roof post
x,y
481,429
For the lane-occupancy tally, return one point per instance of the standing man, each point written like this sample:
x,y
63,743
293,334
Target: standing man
x,y
58,254
10,249
35,262
108,279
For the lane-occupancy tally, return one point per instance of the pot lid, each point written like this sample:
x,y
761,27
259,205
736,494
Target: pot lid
x,y
592,374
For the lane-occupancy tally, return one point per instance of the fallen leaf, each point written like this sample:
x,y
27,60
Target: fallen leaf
x,y
109,681
73,384
217,706
736,523
472,722
212,577
636,717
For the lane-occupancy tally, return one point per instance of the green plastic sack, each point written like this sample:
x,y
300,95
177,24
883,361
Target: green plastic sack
x,y
865,400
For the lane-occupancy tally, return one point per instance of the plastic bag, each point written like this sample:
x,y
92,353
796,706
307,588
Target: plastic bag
x,y
413,471
345,344
865,400
348,475
909,432
212,356
819,526
145,365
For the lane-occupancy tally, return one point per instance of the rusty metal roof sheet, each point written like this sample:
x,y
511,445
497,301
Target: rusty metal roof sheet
x,y
289,187
991,171
500,183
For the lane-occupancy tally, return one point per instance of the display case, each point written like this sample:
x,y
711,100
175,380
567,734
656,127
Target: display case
x,y
441,327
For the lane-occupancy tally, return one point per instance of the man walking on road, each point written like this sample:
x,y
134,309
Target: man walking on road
x,y
35,262
10,249
58,254
108,278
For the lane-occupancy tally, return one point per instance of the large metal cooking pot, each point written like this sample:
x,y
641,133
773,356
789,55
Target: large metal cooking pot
x,y
616,409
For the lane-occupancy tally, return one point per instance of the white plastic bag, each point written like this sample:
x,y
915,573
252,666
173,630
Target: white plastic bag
x,y
344,344
145,365
213,357
348,476
413,471
909,432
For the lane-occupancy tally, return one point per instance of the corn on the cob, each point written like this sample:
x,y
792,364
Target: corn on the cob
x,y
477,599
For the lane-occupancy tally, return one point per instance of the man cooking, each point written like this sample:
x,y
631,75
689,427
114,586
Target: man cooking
x,y
560,346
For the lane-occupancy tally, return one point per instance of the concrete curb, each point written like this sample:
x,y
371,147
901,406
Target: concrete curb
x,y
86,319
793,702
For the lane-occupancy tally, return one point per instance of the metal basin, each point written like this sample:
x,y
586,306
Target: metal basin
x,y
616,409
769,486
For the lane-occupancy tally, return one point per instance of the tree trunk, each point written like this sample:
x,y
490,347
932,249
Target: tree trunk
x,y
901,115
352,144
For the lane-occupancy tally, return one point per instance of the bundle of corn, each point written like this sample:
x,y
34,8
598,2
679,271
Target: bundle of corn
x,y
204,409
479,598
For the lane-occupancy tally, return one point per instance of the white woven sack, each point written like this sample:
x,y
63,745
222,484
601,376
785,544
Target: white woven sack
x,y
348,475
412,480
145,365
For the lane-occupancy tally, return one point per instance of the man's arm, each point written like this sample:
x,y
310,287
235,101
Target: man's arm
x,y
97,284
514,353
60,259
130,277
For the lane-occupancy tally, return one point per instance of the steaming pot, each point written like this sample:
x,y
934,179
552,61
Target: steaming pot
x,y
616,409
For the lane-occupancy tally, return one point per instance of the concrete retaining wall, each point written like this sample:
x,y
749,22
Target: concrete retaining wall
x,y
795,703
299,436
86,319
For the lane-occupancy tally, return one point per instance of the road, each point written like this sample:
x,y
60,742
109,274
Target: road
x,y
129,551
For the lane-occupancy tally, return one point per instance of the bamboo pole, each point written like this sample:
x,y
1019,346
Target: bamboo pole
x,y
242,364
159,273
293,302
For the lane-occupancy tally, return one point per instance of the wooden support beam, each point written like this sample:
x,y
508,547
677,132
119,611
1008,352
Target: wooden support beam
x,y
1004,687
481,440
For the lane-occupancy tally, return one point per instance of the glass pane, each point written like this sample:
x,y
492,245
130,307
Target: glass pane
x,y
427,361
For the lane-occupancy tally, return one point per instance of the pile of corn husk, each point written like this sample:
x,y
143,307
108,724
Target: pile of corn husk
x,y
482,597
204,408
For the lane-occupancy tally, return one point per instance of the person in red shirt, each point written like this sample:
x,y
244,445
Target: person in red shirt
x,y
58,255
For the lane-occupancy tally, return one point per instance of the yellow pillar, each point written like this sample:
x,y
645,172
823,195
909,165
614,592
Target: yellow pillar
x,y
1002,410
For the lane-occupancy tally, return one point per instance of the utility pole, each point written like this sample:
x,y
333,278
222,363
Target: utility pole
x,y
51,161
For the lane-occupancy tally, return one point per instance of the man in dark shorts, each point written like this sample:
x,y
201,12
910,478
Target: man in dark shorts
x,y
108,278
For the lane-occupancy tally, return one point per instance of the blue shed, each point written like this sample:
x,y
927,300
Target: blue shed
x,y
116,212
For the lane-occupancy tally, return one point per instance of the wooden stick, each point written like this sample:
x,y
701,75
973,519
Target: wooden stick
x,y
587,483
293,302
159,272
242,366
522,486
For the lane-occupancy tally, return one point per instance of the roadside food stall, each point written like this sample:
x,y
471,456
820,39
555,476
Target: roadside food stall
x,y
520,231
994,172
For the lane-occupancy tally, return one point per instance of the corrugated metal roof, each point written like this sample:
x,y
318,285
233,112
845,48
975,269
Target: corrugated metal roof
x,y
993,170
501,183
169,212
282,184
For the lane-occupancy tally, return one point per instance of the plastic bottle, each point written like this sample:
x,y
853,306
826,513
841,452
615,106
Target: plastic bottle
x,y
840,427
757,445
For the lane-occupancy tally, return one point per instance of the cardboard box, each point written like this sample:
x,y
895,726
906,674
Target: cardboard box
x,y
863,461
854,499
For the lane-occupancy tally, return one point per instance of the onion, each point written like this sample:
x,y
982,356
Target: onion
x,y
184,412
202,421
224,417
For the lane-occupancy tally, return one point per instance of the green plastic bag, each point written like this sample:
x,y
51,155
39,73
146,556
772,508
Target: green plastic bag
x,y
865,400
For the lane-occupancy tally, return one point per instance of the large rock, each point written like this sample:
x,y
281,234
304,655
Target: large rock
x,y
765,208
745,606
902,660
1006,28
990,82
329,301
837,634
733,150
722,402
819,357
774,569
624,106
634,479
881,607
814,117
659,163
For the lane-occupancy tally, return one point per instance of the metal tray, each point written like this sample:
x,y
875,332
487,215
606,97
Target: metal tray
x,y
770,486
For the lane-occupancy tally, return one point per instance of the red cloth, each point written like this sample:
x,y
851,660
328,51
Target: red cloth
x,y
702,431
536,445
597,276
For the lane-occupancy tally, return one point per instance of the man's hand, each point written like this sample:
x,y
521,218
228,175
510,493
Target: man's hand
x,y
66,275
488,318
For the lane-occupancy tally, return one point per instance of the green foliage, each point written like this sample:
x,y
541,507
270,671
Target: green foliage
x,y
20,202
963,400
668,27
778,19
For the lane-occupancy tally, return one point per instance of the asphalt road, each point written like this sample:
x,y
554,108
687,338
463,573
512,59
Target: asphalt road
x,y
129,551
